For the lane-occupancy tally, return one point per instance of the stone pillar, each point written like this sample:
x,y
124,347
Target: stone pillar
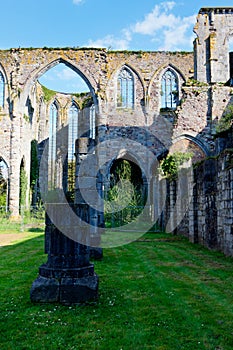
x,y
14,177
88,193
67,277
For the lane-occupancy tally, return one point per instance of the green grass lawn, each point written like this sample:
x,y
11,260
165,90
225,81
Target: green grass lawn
x,y
160,292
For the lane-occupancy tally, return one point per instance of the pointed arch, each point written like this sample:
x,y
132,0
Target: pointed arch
x,y
125,88
73,115
31,80
53,122
193,139
169,89
92,121
2,90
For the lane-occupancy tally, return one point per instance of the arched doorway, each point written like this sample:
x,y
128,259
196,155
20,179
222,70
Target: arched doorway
x,y
126,193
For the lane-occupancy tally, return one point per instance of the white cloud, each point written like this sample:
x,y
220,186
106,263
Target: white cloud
x,y
156,20
111,42
176,38
164,28
77,2
66,74
172,32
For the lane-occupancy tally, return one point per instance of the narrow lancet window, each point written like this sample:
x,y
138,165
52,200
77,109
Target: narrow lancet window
x,y
2,90
72,130
72,136
92,122
125,89
53,115
169,90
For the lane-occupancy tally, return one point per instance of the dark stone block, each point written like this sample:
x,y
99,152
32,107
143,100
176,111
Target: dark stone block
x,y
58,273
78,290
96,253
45,290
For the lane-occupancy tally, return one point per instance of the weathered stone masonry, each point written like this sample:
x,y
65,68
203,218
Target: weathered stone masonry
x,y
202,103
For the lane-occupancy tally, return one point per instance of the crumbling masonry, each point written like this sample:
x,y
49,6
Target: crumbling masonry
x,y
189,122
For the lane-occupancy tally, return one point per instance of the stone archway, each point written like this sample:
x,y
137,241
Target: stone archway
x,y
126,192
188,144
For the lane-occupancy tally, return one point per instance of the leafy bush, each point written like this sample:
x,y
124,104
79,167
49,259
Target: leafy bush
x,y
171,164
225,122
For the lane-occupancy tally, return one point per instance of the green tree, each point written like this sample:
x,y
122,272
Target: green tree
x,y
171,164
124,199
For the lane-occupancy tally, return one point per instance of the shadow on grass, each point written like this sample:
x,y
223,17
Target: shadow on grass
x,y
36,229
151,296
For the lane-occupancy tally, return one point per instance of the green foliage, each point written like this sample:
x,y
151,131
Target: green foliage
x,y
34,173
171,164
3,190
48,94
193,82
225,122
125,198
26,118
23,188
71,182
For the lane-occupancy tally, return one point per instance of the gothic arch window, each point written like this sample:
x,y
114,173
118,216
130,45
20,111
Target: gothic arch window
x,y
73,116
72,130
53,116
169,90
2,90
125,89
92,122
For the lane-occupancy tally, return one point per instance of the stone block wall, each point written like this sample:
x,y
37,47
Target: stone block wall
x,y
211,207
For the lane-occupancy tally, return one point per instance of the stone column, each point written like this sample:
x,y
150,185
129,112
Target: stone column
x,y
68,276
88,194
14,175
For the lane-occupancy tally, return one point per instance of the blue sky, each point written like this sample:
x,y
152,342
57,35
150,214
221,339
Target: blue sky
x,y
117,25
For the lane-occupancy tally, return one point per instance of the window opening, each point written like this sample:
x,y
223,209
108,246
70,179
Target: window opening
x,y
52,143
72,136
92,122
72,130
2,90
125,89
169,90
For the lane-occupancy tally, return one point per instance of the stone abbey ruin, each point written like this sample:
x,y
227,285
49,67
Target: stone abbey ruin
x,y
144,107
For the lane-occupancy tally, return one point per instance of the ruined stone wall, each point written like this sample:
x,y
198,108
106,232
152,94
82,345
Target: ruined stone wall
x,y
214,27
145,129
210,213
25,114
